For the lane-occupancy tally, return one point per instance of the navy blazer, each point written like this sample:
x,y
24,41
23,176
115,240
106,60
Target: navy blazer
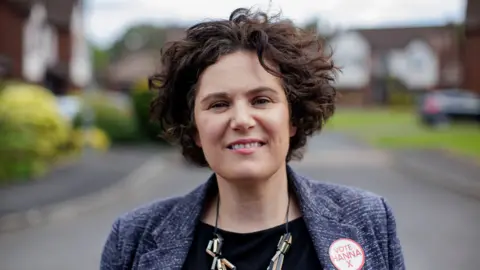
x,y
158,236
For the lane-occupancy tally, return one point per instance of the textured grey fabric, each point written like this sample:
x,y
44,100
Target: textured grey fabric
x,y
158,235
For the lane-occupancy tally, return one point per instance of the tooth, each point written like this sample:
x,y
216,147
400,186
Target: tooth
x,y
247,145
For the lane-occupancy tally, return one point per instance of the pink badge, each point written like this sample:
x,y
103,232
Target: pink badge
x,y
347,254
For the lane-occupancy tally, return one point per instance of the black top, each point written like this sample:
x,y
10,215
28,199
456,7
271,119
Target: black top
x,y
253,251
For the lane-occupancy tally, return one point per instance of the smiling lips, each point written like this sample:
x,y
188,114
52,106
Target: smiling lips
x,y
245,147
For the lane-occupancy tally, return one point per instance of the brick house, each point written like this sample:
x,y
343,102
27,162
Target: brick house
x,y
472,47
421,58
43,42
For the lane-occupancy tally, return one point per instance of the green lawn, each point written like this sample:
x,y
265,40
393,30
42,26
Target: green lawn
x,y
401,129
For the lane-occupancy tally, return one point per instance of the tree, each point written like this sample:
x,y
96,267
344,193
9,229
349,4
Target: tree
x,y
312,25
138,37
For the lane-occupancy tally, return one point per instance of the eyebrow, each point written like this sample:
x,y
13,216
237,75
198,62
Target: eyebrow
x,y
224,95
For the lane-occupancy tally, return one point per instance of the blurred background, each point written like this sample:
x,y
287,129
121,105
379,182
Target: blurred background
x,y
77,148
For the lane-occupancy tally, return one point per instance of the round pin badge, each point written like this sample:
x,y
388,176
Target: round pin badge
x,y
346,254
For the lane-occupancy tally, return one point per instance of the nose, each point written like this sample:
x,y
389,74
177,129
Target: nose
x,y
241,118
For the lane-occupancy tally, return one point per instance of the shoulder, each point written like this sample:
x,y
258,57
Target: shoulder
x,y
368,212
348,203
144,219
133,233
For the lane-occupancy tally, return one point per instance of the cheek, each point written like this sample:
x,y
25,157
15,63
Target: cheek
x,y
209,131
278,124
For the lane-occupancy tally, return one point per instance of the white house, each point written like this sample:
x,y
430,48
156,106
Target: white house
x,y
421,58
45,43
352,54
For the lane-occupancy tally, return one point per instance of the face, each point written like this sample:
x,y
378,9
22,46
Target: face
x,y
242,118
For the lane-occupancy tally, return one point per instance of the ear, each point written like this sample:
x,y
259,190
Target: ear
x,y
196,138
293,130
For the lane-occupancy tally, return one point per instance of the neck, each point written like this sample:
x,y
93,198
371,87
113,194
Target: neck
x,y
252,207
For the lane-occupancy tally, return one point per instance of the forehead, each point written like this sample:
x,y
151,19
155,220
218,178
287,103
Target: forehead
x,y
239,71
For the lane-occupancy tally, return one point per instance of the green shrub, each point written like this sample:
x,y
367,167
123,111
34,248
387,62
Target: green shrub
x,y
141,98
399,96
116,120
32,131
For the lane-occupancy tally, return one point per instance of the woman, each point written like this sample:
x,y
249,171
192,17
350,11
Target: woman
x,y
241,96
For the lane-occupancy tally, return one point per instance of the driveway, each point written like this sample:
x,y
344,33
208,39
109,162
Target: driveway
x,y
438,227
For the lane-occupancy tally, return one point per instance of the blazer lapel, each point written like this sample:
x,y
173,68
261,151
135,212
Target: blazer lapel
x,y
165,257
175,235
328,232
322,217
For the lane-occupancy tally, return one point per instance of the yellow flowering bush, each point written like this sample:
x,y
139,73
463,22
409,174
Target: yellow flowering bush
x,y
94,138
32,131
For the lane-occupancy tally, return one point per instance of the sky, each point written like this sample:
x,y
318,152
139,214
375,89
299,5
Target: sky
x,y
106,20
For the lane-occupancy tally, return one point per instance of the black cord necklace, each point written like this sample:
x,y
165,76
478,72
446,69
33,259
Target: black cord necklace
x,y
214,247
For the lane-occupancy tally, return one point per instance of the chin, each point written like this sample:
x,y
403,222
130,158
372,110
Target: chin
x,y
247,171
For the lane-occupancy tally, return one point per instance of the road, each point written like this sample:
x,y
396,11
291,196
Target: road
x,y
439,229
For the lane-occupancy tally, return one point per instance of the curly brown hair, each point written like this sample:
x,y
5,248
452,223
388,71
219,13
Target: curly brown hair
x,y
306,71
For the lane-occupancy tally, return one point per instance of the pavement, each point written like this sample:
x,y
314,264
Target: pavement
x,y
441,168
29,203
438,225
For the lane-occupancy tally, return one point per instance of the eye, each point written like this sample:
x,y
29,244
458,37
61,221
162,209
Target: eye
x,y
218,105
261,101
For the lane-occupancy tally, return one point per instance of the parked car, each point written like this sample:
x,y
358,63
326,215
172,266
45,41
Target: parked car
x,y
441,107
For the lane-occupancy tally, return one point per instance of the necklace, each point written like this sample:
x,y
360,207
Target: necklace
x,y
214,247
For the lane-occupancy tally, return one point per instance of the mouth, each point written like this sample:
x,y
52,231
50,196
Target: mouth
x,y
245,145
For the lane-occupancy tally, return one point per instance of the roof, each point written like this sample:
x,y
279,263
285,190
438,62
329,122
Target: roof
x,y
442,39
472,18
382,39
58,11
134,66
